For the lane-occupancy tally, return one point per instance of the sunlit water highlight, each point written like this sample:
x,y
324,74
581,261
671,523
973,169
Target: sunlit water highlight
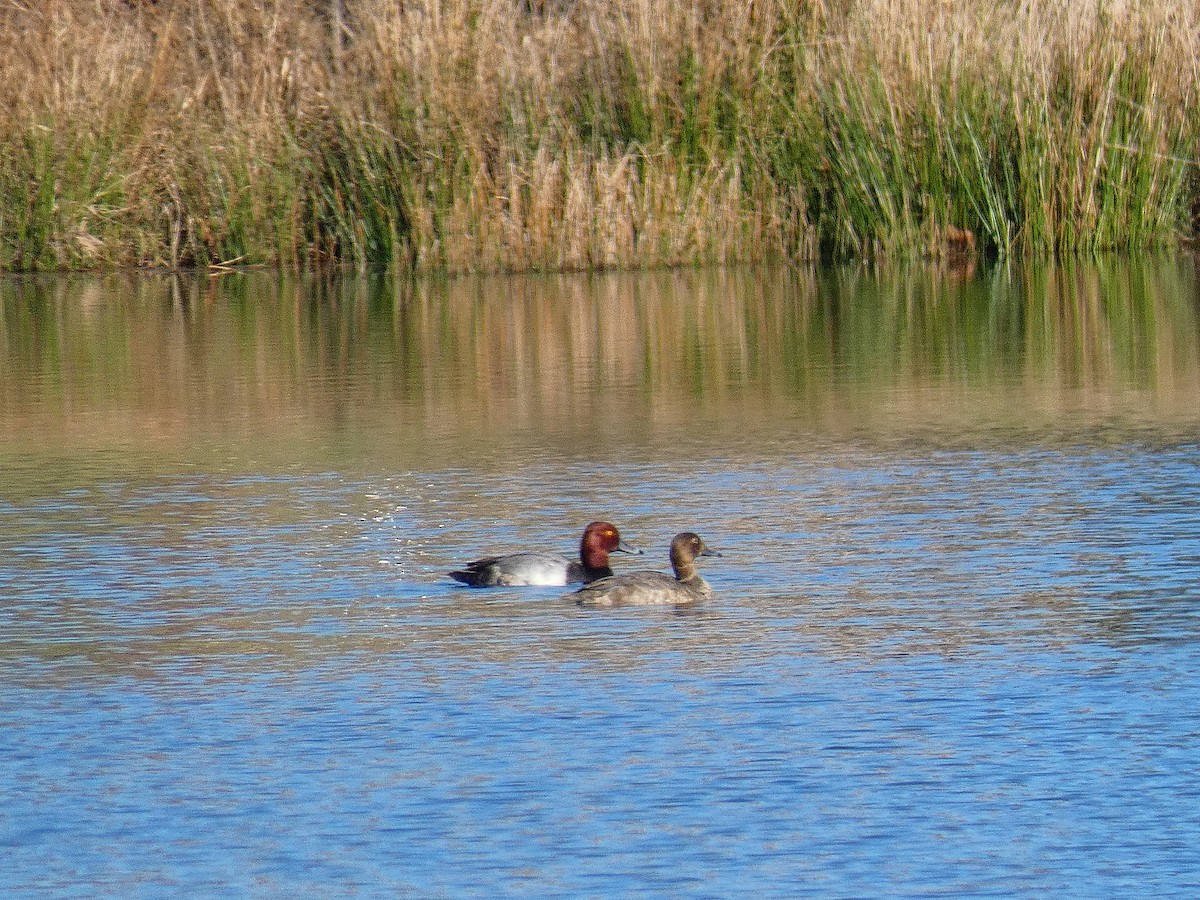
x,y
953,649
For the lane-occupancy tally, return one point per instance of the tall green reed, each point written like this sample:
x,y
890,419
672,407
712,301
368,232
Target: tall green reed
x,y
461,135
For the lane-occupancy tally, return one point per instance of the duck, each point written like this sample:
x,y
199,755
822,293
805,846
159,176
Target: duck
x,y
648,588
549,569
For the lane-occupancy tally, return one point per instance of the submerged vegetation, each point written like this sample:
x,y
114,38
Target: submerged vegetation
x,y
482,135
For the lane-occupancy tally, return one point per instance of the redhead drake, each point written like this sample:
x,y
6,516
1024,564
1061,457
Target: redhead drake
x,y
537,568
654,588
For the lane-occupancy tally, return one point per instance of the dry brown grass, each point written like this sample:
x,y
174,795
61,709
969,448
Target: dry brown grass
x,y
466,135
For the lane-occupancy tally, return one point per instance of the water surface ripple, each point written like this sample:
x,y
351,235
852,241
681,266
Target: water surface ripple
x,y
954,648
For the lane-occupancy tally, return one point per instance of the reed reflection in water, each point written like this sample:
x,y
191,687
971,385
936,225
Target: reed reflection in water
x,y
953,649
589,365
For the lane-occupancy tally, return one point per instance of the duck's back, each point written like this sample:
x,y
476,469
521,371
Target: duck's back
x,y
532,569
515,569
642,589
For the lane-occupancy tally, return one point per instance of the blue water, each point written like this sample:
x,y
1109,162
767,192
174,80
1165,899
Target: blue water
x,y
953,651
929,670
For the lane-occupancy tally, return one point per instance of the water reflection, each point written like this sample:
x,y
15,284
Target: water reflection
x,y
588,364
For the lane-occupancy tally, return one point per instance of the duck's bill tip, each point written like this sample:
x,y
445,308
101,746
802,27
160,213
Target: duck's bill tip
x,y
628,548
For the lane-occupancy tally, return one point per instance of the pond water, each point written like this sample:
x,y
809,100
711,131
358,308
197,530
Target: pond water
x,y
954,646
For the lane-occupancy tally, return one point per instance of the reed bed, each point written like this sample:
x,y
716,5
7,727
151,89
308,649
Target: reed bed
x,y
513,135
